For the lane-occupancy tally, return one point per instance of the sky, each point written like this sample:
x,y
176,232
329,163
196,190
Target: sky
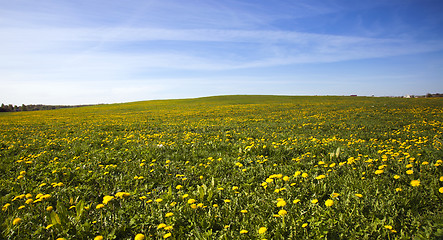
x,y
88,52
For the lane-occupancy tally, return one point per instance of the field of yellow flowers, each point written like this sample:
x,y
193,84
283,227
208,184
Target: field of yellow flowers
x,y
226,167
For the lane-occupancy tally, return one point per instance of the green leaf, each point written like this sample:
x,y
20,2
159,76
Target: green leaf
x,y
62,213
210,194
55,219
79,208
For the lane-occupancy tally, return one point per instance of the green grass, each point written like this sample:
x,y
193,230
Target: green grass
x,y
252,150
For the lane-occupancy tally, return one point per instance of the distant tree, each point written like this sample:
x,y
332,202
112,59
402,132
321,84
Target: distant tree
x,y
3,108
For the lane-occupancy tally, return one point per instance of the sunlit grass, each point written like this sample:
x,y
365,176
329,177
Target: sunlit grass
x,y
228,167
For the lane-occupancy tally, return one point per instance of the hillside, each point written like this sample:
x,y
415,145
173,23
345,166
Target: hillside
x,y
225,167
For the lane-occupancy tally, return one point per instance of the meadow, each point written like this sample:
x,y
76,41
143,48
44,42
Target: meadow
x,y
226,167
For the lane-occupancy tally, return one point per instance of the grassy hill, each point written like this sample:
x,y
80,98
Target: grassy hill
x,y
225,167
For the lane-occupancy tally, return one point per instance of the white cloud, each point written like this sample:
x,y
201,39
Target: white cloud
x,y
93,48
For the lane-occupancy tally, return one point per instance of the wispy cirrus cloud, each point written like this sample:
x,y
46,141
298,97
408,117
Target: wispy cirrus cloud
x,y
263,48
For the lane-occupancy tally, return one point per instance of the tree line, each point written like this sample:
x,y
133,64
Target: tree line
x,y
34,107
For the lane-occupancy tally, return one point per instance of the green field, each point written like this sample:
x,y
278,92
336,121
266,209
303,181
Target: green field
x,y
226,167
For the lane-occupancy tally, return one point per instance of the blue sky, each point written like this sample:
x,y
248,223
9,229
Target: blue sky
x,y
82,52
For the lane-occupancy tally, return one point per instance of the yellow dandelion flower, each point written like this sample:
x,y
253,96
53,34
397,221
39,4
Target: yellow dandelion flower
x,y
194,206
281,203
169,214
441,179
296,201
49,226
168,228
106,199
409,172
100,206
285,178
398,189
49,208
304,175
16,221
46,196
244,211
243,231
396,177
335,195
282,212
440,190
98,238
320,177
262,230
304,225
178,187
185,196
329,202
161,225
215,205
122,194
415,183
227,201
191,201
21,207
234,188
314,201
158,200
139,237
378,172
388,227
359,195
5,206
